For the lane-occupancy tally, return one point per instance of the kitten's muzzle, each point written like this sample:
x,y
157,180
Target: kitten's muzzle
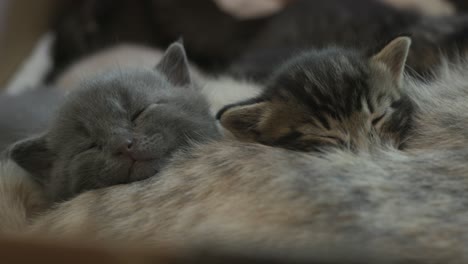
x,y
127,149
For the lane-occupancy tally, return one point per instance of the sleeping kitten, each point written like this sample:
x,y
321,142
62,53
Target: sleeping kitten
x,y
330,97
118,128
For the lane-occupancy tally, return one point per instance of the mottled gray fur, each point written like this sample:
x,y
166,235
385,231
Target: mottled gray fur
x,y
120,127
239,194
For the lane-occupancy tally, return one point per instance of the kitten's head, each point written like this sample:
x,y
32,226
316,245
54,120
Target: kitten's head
x,y
332,97
119,128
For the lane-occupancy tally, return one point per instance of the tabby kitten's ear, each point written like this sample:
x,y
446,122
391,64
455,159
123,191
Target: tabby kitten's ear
x,y
34,156
244,120
394,56
174,65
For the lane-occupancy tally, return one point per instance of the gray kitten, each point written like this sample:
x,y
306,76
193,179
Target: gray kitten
x,y
331,97
118,128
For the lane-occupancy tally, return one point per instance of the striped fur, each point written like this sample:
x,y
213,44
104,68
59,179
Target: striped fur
x,y
333,97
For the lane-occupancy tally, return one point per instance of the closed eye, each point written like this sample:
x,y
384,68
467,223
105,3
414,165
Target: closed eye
x,y
376,120
85,149
333,139
337,140
137,114
396,104
323,137
94,145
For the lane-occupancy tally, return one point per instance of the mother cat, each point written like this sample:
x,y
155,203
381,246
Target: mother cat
x,y
247,195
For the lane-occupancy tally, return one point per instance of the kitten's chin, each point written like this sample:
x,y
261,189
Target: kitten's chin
x,y
141,170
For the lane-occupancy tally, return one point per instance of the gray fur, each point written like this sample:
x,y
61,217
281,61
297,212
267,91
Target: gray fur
x,y
24,115
118,128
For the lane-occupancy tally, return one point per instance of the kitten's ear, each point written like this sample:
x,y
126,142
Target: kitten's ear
x,y
174,65
394,56
34,156
244,120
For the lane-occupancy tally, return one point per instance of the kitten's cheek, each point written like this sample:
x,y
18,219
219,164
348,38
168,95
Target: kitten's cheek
x,y
143,170
389,138
82,176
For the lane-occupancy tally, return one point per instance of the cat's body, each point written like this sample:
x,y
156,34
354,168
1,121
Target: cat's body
x,y
118,127
247,195
239,194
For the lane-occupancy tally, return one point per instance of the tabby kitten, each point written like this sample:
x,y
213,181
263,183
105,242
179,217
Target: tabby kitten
x,y
331,97
119,128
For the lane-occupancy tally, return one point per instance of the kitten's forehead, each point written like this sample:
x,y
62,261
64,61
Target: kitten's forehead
x,y
328,73
327,68
332,81
121,87
109,96
112,99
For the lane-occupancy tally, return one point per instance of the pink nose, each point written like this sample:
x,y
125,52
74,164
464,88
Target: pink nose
x,y
126,149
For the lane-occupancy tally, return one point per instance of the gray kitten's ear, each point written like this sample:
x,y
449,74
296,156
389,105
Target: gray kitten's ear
x,y
174,65
394,56
244,121
34,156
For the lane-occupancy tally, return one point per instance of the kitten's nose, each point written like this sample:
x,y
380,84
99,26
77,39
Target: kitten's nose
x,y
126,148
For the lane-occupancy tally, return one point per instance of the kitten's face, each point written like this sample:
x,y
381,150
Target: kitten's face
x,y
332,98
122,127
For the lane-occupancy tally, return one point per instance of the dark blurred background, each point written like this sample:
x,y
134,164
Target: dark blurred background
x,y
219,34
